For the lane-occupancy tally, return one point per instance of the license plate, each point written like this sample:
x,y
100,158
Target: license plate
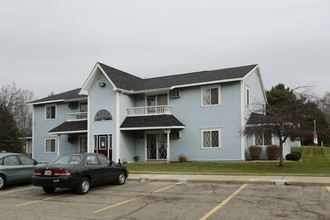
x,y
48,173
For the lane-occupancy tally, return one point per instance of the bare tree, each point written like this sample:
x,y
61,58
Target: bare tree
x,y
15,101
289,114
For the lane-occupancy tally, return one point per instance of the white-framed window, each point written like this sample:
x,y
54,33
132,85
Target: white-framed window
x,y
210,95
50,145
211,138
262,139
50,111
247,98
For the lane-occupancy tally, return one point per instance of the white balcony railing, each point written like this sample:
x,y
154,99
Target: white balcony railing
x,y
76,116
149,110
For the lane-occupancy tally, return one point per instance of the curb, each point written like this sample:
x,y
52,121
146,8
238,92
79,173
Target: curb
x,y
254,182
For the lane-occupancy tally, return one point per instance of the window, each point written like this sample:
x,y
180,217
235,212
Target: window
x,y
102,115
10,161
247,96
103,160
154,100
263,139
50,145
83,107
211,138
92,160
50,111
210,95
26,160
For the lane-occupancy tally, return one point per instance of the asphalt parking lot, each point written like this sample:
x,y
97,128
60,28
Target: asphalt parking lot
x,y
160,200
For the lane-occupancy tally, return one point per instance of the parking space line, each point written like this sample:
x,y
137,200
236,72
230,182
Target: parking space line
x,y
40,200
17,190
139,197
215,209
328,187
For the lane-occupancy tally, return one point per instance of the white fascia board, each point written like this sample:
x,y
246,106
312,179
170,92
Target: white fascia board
x,y
206,83
76,100
88,83
152,128
68,132
143,91
46,102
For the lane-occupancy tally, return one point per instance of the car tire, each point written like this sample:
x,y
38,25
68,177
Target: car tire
x,y
121,178
49,189
84,186
2,182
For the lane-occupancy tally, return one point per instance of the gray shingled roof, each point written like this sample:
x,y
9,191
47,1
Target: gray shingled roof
x,y
130,82
68,126
151,121
72,94
127,81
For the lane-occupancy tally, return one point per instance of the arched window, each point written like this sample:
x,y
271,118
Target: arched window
x,y
102,115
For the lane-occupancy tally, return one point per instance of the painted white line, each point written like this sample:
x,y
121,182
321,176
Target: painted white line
x,y
131,200
17,190
215,209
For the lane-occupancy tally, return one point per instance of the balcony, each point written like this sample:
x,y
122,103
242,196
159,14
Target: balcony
x,y
77,116
150,110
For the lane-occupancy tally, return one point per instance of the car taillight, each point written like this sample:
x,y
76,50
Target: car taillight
x,y
61,172
37,172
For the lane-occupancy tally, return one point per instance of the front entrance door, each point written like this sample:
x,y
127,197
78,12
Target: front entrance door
x,y
103,145
83,144
157,146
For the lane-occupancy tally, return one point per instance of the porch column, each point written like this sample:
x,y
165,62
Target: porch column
x,y
168,131
58,144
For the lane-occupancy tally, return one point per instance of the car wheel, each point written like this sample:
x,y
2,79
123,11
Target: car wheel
x,y
84,186
49,189
2,181
121,178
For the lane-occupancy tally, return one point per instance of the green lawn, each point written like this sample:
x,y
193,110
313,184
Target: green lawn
x,y
315,162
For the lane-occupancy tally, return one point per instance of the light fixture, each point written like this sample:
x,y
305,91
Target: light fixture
x,y
102,84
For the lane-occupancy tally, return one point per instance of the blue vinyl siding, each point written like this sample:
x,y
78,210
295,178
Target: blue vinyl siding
x,y
226,116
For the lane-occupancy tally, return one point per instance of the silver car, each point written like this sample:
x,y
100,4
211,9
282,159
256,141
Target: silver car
x,y
15,168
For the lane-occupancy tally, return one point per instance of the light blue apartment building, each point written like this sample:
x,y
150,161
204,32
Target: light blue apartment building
x,y
200,115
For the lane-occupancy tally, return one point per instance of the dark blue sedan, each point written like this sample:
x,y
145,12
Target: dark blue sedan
x,y
78,171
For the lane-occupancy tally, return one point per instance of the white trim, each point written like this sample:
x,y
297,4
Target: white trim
x,y
243,139
151,128
88,126
46,102
178,86
117,126
217,86
91,78
206,83
32,144
45,108
219,138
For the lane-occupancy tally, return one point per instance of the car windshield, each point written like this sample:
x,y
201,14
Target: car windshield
x,y
67,159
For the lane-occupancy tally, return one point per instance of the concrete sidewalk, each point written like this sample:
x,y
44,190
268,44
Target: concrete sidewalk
x,y
265,180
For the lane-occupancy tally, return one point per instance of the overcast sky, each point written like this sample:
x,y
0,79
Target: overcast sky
x,y
52,46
